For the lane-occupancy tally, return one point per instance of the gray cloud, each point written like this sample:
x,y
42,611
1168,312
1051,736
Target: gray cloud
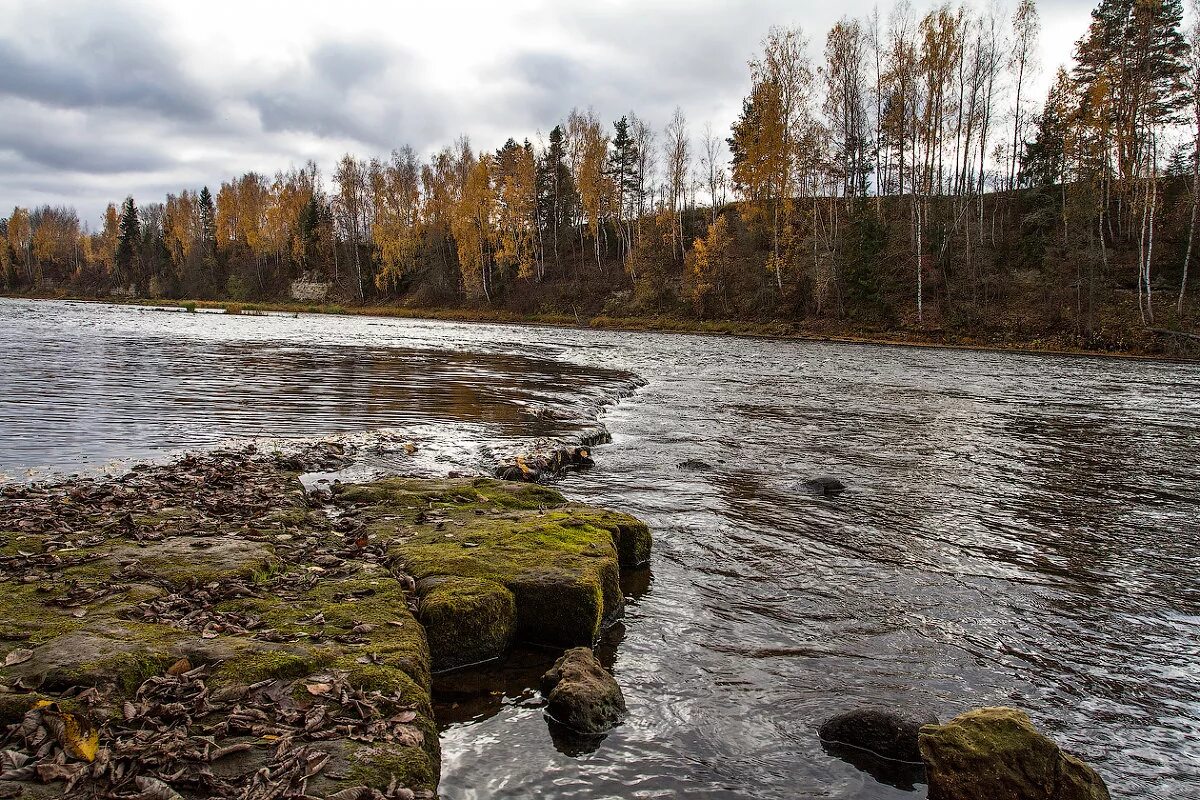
x,y
99,62
101,100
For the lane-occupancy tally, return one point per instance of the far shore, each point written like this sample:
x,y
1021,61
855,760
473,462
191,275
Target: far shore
x,y
778,329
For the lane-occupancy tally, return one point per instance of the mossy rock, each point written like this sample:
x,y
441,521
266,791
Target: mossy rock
x,y
562,571
104,652
468,620
495,561
199,560
996,753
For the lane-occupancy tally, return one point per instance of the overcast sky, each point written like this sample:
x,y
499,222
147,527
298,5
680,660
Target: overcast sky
x,y
103,99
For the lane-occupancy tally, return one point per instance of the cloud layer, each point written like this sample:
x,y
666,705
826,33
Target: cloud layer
x,y
102,100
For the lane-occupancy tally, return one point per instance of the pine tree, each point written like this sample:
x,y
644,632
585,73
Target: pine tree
x,y
1043,162
557,198
128,238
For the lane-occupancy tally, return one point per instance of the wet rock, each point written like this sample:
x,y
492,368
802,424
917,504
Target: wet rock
x,y
694,465
581,694
194,604
537,466
997,753
824,485
468,620
884,733
560,561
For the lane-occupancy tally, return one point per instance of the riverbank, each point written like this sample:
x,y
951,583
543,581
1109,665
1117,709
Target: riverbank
x,y
1155,344
209,624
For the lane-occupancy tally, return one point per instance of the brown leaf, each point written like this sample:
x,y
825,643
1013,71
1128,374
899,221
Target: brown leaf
x,y
18,656
179,667
154,789
409,736
318,688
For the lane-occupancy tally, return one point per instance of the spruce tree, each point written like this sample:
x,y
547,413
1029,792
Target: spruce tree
x,y
128,239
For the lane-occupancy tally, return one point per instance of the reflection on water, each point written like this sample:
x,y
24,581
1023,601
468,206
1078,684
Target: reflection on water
x,y
1016,530
79,393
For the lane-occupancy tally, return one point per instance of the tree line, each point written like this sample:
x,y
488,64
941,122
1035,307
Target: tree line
x,y
904,176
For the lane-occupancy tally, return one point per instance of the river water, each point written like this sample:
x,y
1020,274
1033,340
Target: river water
x,y
1019,530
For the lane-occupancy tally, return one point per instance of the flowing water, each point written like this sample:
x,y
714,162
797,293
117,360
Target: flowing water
x,y
1019,530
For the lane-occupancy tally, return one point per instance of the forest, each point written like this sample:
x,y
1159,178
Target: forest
x,y
902,179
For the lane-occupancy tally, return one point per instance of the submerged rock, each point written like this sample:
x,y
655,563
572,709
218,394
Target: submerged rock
x,y
996,753
694,465
824,485
884,733
581,694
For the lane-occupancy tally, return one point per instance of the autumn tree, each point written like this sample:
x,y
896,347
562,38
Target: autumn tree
x,y
20,239
396,226
473,227
353,212
514,178
845,74
712,263
1025,29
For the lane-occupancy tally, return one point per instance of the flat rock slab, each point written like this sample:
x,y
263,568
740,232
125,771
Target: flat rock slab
x,y
497,561
207,604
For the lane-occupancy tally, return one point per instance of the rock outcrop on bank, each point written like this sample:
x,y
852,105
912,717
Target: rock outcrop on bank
x,y
205,626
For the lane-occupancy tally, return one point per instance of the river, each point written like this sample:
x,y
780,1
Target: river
x,y
1017,529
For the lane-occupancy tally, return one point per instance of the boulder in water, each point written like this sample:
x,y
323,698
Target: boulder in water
x,y
581,694
885,733
824,485
997,753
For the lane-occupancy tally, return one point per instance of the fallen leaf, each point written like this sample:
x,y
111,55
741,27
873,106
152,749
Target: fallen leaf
x,y
179,667
154,789
318,688
18,656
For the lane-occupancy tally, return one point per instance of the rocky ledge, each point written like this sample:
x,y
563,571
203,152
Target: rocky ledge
x,y
209,629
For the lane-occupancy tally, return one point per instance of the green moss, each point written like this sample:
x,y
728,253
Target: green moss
x,y
13,543
394,638
511,494
25,616
260,665
413,767
630,535
562,571
152,649
467,620
401,493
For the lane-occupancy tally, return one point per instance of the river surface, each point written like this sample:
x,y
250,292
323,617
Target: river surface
x,y
1019,530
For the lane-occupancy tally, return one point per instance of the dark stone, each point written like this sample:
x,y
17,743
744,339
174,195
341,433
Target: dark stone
x,y
997,753
884,733
825,485
694,465
581,694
